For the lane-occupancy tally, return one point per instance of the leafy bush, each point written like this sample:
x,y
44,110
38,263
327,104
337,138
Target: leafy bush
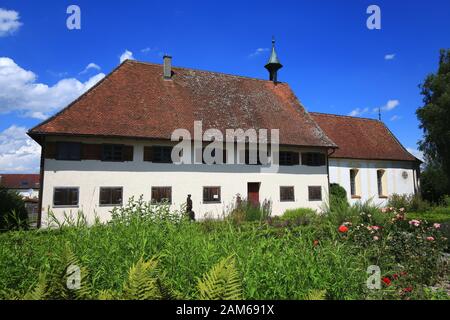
x,y
338,196
245,211
13,214
411,203
446,201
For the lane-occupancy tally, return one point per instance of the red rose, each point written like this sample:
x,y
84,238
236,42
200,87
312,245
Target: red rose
x,y
316,243
386,281
407,289
343,229
395,276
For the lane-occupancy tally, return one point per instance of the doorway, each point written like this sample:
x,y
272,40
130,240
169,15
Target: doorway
x,y
253,193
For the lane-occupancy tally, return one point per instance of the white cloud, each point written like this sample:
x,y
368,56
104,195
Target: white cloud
x,y
395,118
258,52
358,112
9,22
126,55
89,67
18,152
20,92
416,153
390,56
390,105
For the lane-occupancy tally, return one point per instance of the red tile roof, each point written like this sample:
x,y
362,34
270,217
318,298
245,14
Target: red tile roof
x,y
19,181
135,101
361,138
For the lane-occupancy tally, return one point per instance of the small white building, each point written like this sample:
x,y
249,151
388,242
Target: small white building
x,y
370,163
114,142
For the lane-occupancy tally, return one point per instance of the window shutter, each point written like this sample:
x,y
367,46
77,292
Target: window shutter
x,y
304,159
91,151
295,158
321,159
224,156
50,150
148,154
127,153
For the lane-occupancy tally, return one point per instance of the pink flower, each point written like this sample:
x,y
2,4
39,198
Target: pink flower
x,y
376,228
376,238
384,210
430,238
416,223
437,225
402,209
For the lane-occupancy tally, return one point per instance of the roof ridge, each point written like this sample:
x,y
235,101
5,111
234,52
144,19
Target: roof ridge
x,y
344,116
206,71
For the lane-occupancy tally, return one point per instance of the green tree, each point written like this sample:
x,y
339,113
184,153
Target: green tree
x,y
434,119
13,214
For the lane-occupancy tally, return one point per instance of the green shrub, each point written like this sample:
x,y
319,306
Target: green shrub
x,y
13,214
446,201
245,211
338,196
411,203
294,214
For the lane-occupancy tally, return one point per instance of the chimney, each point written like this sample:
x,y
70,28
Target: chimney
x,y
167,67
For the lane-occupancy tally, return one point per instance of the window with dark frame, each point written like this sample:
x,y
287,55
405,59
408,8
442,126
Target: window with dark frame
x,y
111,196
313,159
162,154
68,151
353,173
288,158
380,174
287,194
112,152
211,195
161,195
315,193
65,196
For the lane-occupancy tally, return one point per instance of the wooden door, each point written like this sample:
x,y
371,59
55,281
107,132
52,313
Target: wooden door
x,y
253,193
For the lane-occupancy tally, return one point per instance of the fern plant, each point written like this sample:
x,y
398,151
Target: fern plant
x,y
221,282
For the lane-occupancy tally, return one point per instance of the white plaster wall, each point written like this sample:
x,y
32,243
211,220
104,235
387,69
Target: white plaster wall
x,y
138,177
395,183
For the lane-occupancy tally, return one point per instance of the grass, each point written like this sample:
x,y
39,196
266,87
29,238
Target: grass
x,y
437,214
286,261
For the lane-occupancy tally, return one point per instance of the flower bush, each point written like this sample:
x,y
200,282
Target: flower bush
x,y
413,247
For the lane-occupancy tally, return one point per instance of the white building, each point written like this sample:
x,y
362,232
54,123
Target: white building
x,y
114,142
370,163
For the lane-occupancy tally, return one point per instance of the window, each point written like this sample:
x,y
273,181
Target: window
x,y
162,154
213,155
211,194
111,196
353,174
112,152
65,197
287,194
313,159
288,158
68,151
380,182
161,194
315,193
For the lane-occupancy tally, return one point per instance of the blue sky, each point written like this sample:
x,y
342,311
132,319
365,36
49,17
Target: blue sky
x,y
333,62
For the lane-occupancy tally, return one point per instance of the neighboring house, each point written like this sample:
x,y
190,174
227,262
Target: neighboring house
x,y
26,185
370,162
114,142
